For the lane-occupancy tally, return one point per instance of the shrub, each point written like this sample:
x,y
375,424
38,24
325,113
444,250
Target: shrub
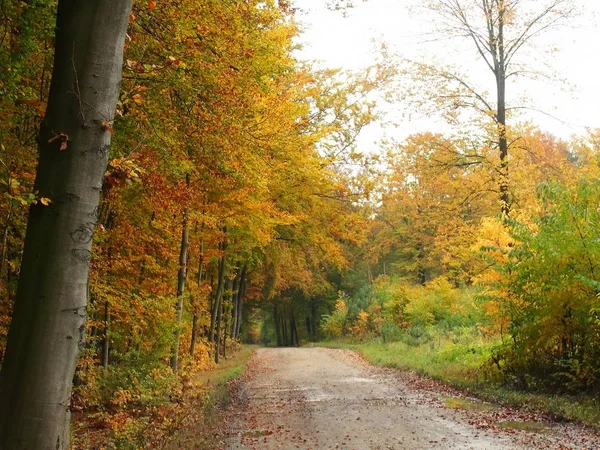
x,y
553,280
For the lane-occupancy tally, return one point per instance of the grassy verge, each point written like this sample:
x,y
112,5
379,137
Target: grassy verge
x,y
463,365
207,407
192,419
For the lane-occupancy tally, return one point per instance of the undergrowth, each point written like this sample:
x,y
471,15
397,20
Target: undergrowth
x,y
190,415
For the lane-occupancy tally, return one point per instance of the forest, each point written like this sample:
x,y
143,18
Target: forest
x,y
177,183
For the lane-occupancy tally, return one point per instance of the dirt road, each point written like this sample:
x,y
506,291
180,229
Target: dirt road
x,y
316,398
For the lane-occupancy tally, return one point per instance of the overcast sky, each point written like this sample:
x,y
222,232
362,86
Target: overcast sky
x,y
350,42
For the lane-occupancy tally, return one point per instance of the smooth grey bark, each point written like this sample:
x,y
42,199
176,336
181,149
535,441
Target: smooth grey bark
x,y
48,326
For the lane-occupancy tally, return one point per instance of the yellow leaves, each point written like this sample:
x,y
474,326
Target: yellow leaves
x,y
340,304
137,98
494,234
45,201
120,398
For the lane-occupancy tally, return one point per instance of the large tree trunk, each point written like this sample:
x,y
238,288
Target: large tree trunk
x,y
48,326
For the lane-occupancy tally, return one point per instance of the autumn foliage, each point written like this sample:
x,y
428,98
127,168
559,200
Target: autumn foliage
x,y
236,207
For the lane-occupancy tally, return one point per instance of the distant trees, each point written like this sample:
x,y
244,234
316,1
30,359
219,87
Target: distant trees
x,y
499,31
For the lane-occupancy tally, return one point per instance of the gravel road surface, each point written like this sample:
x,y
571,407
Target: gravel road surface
x,y
317,398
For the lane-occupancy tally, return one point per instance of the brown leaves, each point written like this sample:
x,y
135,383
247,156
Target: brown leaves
x,y
63,138
107,126
137,98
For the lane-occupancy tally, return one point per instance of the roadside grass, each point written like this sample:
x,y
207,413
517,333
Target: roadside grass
x,y
467,366
191,420
206,409
227,369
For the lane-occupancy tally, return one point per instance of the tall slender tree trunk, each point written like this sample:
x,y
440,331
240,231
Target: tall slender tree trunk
x,y
234,302
226,314
48,326
181,279
277,327
106,338
241,296
295,339
313,317
219,293
501,123
5,240
198,285
194,333
495,26
284,330
218,340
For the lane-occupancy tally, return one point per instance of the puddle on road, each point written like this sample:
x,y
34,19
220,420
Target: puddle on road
x,y
357,380
272,388
472,405
537,427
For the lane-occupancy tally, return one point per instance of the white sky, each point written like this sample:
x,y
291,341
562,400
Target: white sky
x,y
349,42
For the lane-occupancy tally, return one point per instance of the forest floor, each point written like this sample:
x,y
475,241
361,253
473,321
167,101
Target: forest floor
x,y
318,398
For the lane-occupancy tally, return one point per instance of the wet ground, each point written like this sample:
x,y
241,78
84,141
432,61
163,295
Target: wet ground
x,y
317,398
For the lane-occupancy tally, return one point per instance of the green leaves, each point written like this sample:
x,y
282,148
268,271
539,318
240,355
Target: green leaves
x,y
554,280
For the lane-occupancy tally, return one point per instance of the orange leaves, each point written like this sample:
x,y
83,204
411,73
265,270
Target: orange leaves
x,y
172,61
137,98
107,126
62,138
151,5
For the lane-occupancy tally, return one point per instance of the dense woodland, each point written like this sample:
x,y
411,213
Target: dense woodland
x,y
236,206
